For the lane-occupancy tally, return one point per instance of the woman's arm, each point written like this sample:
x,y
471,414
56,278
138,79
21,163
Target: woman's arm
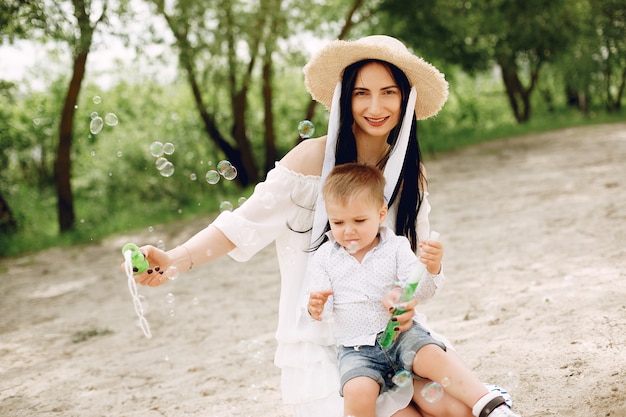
x,y
208,244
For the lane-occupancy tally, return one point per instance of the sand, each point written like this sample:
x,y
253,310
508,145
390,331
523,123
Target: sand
x,y
534,231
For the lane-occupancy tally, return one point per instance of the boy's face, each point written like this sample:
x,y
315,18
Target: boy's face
x,y
355,224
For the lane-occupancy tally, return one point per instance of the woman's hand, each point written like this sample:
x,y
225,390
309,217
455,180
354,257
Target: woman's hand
x,y
403,321
159,262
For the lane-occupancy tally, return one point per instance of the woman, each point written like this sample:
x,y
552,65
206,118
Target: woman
x,y
375,90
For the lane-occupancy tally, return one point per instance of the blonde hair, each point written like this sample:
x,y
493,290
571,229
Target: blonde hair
x,y
350,180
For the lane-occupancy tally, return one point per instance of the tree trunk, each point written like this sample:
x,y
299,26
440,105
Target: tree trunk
x,y
270,137
519,97
8,224
63,163
210,127
241,137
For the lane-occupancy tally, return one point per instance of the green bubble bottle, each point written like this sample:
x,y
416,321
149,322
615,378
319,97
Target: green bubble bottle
x,y
408,291
139,262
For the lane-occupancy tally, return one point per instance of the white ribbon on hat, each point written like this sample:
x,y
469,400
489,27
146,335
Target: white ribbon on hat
x,y
393,166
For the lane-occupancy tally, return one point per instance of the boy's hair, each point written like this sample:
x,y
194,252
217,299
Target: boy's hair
x,y
346,181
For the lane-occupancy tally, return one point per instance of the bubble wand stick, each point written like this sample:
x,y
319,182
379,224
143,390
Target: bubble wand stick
x,y
408,291
136,263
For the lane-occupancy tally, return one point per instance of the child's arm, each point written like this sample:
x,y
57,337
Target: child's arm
x,y
317,301
431,253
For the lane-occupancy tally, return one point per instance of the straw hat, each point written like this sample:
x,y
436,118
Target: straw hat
x,y
325,70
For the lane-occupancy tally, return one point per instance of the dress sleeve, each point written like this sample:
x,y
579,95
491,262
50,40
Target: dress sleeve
x,y
283,203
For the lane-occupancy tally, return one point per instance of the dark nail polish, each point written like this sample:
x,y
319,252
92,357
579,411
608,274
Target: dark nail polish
x,y
394,319
157,268
149,271
396,329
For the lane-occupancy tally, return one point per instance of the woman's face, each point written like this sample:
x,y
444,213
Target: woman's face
x,y
376,102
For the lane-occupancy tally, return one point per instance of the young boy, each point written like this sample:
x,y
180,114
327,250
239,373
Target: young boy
x,y
354,271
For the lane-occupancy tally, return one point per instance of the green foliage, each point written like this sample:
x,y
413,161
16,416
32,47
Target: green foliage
x,y
116,185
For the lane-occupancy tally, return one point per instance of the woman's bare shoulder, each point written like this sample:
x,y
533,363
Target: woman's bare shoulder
x,y
307,157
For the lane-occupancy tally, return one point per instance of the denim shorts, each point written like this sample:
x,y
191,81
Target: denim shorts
x,y
381,364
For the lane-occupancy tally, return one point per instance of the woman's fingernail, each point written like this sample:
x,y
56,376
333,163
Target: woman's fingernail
x,y
394,319
396,329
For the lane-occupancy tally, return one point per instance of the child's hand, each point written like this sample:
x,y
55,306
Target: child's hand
x,y
317,300
159,262
431,253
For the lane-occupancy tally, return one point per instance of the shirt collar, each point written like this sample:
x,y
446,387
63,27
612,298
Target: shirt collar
x,y
384,234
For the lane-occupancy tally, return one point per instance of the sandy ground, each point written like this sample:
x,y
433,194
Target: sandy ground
x,y
534,230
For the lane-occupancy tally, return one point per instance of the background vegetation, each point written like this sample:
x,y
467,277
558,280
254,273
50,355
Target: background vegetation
x,y
237,93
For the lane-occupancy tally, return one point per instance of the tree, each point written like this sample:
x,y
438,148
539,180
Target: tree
x,y
519,36
73,23
80,45
609,18
210,39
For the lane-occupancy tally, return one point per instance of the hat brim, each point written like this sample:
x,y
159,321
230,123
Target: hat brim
x,y
325,70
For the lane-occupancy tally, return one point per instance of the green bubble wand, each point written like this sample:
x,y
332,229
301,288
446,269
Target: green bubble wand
x,y
136,263
408,291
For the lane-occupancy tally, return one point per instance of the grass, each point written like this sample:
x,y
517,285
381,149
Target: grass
x,y
84,335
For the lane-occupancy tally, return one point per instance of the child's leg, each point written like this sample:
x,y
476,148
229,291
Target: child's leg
x,y
448,406
359,397
439,365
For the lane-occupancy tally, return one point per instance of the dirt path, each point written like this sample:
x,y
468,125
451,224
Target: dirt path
x,y
534,230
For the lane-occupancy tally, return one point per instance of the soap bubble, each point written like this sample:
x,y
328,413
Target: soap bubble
x,y
167,170
352,247
432,392
226,206
93,115
96,125
97,100
168,148
110,119
193,176
170,298
171,273
241,200
223,166
156,149
161,163
306,129
212,177
248,236
230,173
445,381
407,359
402,378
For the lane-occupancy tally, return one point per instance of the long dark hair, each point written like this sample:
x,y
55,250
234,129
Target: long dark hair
x,y
408,194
